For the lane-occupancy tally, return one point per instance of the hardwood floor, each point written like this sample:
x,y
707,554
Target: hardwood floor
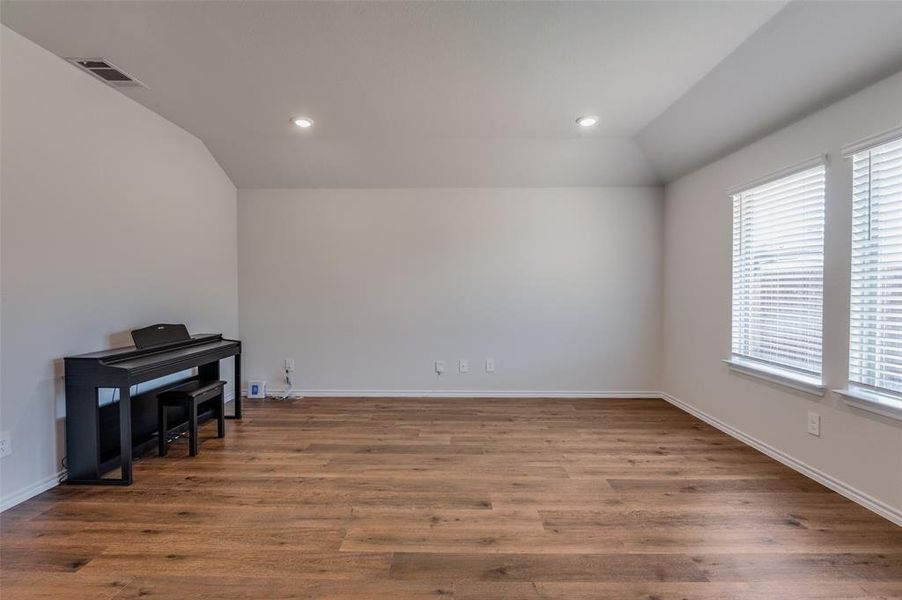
x,y
453,498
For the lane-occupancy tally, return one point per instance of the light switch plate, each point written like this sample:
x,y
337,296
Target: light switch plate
x,y
463,365
490,365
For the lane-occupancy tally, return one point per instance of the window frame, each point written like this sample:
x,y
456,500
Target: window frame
x,y
773,372
871,398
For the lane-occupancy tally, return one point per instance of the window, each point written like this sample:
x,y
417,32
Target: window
x,y
778,276
875,335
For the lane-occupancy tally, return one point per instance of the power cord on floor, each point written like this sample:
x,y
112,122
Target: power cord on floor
x,y
288,386
64,470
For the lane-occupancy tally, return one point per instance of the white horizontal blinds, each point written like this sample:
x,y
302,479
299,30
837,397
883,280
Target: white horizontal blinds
x,y
778,271
875,349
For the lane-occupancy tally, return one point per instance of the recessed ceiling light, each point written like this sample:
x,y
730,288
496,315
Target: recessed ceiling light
x,y
303,122
587,121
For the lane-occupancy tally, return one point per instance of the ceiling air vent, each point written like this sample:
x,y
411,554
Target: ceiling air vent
x,y
106,71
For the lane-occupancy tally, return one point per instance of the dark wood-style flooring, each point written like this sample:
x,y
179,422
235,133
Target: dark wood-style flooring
x,y
453,498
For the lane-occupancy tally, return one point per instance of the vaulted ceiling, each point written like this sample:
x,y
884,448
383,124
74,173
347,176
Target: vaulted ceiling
x,y
470,94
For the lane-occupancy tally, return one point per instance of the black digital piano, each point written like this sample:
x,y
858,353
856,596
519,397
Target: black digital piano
x,y
101,438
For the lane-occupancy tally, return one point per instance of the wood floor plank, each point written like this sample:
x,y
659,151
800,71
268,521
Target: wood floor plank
x,y
54,586
286,588
40,557
674,591
803,567
218,560
546,567
471,498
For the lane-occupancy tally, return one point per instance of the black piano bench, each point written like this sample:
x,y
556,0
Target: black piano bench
x,y
190,396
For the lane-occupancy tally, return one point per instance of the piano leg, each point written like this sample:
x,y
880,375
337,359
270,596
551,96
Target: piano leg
x,y
237,378
210,372
82,438
125,434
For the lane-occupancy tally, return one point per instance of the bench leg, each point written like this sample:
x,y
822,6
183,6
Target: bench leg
x,y
163,433
192,429
221,415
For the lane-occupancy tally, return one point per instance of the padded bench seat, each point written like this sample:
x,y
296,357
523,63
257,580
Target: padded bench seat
x,y
191,395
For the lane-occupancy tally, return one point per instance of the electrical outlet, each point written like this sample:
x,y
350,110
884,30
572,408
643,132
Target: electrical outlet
x,y
6,444
463,365
814,423
289,364
490,365
439,366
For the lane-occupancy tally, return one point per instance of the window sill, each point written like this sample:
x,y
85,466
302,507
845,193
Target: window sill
x,y
788,379
877,403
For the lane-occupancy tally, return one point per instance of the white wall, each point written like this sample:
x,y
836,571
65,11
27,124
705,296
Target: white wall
x,y
112,218
365,288
857,449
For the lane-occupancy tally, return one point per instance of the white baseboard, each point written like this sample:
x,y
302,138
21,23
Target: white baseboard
x,y
881,508
31,491
303,393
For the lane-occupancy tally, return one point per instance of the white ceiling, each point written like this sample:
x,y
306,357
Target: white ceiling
x,y
425,93
810,55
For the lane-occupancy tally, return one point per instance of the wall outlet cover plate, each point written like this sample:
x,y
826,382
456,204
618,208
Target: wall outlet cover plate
x,y
814,423
256,389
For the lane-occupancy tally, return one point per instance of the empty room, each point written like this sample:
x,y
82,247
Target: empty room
x,y
451,299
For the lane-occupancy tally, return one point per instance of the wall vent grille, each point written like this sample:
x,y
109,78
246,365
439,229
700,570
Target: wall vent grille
x,y
106,72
